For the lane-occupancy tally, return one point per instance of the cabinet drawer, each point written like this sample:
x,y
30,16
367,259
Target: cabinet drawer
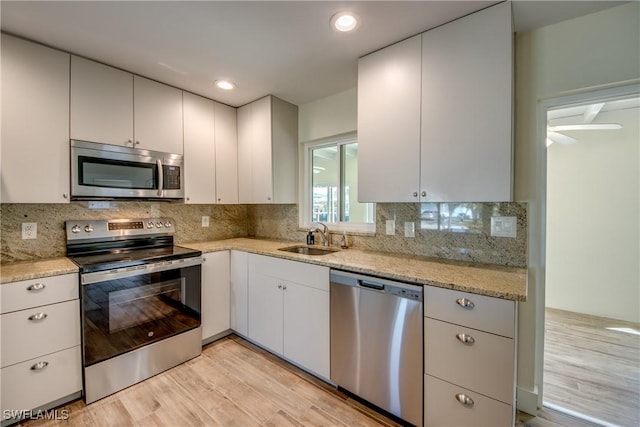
x,y
442,408
26,388
315,276
36,292
485,364
24,338
488,314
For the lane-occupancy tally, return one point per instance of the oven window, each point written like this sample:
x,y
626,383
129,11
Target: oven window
x,y
121,315
95,172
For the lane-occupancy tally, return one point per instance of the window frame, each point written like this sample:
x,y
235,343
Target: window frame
x,y
306,196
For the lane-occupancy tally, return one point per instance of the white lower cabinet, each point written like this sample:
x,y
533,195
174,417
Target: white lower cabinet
x,y
469,359
239,292
215,294
289,310
41,354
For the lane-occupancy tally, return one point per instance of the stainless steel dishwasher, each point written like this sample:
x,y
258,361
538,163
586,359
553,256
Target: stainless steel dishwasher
x,y
376,342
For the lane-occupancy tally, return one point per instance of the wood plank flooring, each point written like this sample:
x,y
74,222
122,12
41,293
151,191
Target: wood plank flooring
x,y
234,383
590,369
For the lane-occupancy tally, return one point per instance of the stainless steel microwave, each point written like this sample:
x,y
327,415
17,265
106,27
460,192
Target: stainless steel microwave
x,y
102,171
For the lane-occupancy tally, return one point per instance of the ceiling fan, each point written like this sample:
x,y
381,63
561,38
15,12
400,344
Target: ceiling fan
x,y
591,111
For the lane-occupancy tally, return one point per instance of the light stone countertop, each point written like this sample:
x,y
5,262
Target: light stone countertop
x,y
26,270
495,281
502,282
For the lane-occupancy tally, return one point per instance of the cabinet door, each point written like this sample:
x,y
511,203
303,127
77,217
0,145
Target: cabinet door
x,y
389,123
265,311
226,145
35,123
215,293
306,327
262,179
467,108
101,103
239,292
199,150
245,154
157,112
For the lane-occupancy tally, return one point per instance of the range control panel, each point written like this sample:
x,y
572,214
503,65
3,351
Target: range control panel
x,y
92,229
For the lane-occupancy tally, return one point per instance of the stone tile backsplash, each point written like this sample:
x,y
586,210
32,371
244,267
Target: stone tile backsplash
x,y
270,222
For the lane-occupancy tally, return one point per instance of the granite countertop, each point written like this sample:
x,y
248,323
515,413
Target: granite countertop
x,y
25,270
495,281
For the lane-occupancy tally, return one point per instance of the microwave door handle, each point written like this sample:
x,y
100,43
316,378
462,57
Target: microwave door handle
x,y
160,178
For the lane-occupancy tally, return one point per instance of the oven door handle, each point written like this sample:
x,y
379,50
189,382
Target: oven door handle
x,y
121,273
160,177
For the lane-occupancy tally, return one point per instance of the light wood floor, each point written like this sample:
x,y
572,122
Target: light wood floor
x,y
234,383
590,369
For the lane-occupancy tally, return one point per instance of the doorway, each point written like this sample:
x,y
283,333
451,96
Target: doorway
x,y
592,246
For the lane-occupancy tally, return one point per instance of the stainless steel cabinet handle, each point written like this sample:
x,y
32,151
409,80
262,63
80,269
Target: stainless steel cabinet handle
x,y
424,194
279,286
284,287
129,141
38,316
415,194
464,399
40,365
36,287
465,303
65,195
465,339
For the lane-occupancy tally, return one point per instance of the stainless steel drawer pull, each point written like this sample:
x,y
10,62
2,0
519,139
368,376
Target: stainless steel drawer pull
x,y
36,287
38,316
40,365
464,399
465,303
465,339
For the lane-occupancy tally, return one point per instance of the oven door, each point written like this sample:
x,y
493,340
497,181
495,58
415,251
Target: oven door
x,y
128,308
110,171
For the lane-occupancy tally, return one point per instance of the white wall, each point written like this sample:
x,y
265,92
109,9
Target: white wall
x,y
593,221
594,50
333,115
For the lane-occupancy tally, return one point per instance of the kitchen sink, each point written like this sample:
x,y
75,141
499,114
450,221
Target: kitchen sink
x,y
308,250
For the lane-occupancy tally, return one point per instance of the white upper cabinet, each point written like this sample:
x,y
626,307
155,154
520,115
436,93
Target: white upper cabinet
x,y
111,106
101,103
199,150
467,79
35,123
157,112
267,151
435,114
226,137
389,123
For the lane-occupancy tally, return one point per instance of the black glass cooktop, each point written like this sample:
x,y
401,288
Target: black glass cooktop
x,y
121,258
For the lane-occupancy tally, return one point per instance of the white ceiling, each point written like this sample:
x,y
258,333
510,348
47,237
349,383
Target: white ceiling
x,y
282,48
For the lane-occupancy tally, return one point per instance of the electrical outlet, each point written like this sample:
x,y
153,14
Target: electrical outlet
x,y
391,227
504,226
29,230
409,229
205,220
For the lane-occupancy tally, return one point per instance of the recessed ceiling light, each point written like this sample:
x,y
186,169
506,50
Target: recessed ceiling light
x,y
225,84
345,21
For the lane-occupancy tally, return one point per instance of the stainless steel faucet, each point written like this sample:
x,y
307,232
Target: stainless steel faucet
x,y
324,233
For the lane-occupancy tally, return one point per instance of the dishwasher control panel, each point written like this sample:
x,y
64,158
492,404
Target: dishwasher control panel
x,y
404,292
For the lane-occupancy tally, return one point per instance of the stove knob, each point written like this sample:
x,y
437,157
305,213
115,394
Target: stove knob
x,y
75,229
150,224
168,224
88,228
158,224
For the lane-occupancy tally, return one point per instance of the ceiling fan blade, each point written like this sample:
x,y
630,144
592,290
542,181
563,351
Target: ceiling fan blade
x,y
587,126
560,138
592,111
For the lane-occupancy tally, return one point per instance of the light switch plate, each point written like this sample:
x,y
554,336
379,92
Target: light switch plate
x,y
409,229
391,227
504,226
205,220
29,230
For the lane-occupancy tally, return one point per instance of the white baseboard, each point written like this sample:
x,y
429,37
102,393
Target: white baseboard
x,y
527,401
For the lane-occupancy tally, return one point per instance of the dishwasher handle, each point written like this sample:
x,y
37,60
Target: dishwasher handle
x,y
370,285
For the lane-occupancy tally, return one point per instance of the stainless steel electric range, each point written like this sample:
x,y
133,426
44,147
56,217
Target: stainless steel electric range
x,y
140,299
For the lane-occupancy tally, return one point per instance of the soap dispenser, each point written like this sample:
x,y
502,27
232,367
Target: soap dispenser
x,y
311,239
